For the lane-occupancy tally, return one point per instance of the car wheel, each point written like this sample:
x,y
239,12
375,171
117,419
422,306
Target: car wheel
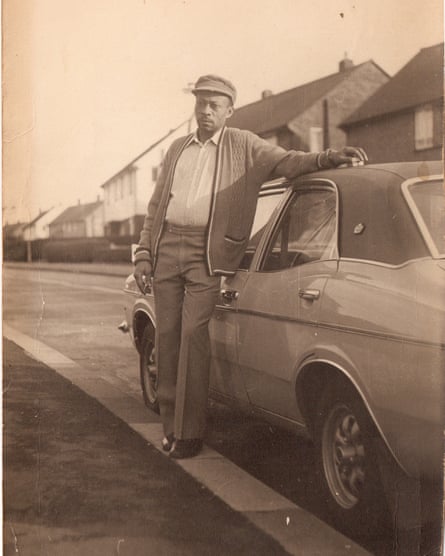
x,y
148,372
348,465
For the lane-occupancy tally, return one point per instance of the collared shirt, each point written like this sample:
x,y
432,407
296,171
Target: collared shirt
x,y
191,192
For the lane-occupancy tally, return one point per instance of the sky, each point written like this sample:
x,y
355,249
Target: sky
x,y
89,85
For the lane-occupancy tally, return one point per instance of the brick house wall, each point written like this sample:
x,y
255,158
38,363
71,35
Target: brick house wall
x,y
391,138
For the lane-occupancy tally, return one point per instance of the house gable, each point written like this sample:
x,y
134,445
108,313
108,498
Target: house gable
x,y
340,101
419,82
73,221
287,118
403,120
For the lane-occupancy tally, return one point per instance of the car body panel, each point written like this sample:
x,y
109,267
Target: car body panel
x,y
276,330
394,338
224,377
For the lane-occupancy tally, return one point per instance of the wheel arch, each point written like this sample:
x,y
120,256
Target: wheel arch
x,y
312,380
141,318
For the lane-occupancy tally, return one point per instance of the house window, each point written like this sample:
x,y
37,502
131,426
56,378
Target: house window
x,y
423,127
316,139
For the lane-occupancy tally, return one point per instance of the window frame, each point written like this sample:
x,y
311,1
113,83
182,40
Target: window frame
x,y
269,235
424,142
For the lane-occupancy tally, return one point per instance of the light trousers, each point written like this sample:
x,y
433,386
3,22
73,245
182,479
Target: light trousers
x,y
185,296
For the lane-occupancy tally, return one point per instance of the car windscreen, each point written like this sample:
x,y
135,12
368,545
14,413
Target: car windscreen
x,y
429,200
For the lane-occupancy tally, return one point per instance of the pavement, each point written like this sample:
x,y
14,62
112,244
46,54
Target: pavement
x,y
78,480
84,473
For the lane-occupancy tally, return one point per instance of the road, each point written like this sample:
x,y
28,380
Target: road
x,y
78,314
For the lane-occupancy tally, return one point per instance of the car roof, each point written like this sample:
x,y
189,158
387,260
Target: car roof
x,y
401,171
371,199
404,170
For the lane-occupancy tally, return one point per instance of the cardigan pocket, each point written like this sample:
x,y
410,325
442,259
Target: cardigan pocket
x,y
233,252
234,240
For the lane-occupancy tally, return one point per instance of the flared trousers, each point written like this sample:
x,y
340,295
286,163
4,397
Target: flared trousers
x,y
185,297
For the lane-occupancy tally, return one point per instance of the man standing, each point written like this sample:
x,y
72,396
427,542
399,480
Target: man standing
x,y
196,229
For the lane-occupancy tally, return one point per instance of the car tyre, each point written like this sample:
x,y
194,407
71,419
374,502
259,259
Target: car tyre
x,y
147,369
348,468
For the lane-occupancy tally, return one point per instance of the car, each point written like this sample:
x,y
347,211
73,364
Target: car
x,y
334,326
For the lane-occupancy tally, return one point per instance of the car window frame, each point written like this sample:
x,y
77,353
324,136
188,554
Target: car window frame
x,y
423,228
279,187
275,221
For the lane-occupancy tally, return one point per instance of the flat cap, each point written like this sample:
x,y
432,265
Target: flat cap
x,y
215,84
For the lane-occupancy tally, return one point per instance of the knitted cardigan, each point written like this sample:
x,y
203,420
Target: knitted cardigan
x,y
244,162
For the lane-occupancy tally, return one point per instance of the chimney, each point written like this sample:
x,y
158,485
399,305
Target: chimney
x,y
78,202
266,93
345,64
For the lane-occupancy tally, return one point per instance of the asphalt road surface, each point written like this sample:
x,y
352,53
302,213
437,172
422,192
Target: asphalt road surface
x,y
78,314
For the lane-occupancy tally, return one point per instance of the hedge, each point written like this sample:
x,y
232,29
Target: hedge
x,y
82,250
73,250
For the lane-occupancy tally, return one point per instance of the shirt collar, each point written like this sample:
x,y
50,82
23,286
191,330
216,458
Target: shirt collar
x,y
214,139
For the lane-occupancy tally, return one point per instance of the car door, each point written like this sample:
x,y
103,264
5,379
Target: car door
x,y
278,308
225,376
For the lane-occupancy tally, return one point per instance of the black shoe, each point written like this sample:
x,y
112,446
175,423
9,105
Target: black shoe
x,y
167,442
186,448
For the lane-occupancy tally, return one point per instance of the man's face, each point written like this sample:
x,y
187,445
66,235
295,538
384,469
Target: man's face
x,y
211,111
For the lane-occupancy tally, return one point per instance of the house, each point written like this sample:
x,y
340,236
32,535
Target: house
x,y
126,193
78,221
14,247
38,228
307,117
403,120
13,231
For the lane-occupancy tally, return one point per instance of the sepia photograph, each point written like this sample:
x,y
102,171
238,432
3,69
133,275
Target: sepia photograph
x,y
223,278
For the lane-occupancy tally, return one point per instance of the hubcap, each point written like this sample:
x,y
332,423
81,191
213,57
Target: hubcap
x,y
343,455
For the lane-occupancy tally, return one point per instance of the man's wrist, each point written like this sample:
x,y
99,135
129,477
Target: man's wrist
x,y
142,255
324,160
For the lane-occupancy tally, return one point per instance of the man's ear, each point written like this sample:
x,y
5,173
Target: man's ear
x,y
230,111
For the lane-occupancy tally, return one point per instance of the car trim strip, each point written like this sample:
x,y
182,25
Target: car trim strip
x,y
328,326
382,264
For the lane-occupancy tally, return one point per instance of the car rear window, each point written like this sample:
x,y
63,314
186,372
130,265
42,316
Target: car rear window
x,y
429,199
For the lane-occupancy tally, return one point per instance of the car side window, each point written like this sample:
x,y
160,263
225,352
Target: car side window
x,y
266,205
306,231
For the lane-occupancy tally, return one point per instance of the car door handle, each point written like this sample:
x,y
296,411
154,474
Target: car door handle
x,y
229,295
310,295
